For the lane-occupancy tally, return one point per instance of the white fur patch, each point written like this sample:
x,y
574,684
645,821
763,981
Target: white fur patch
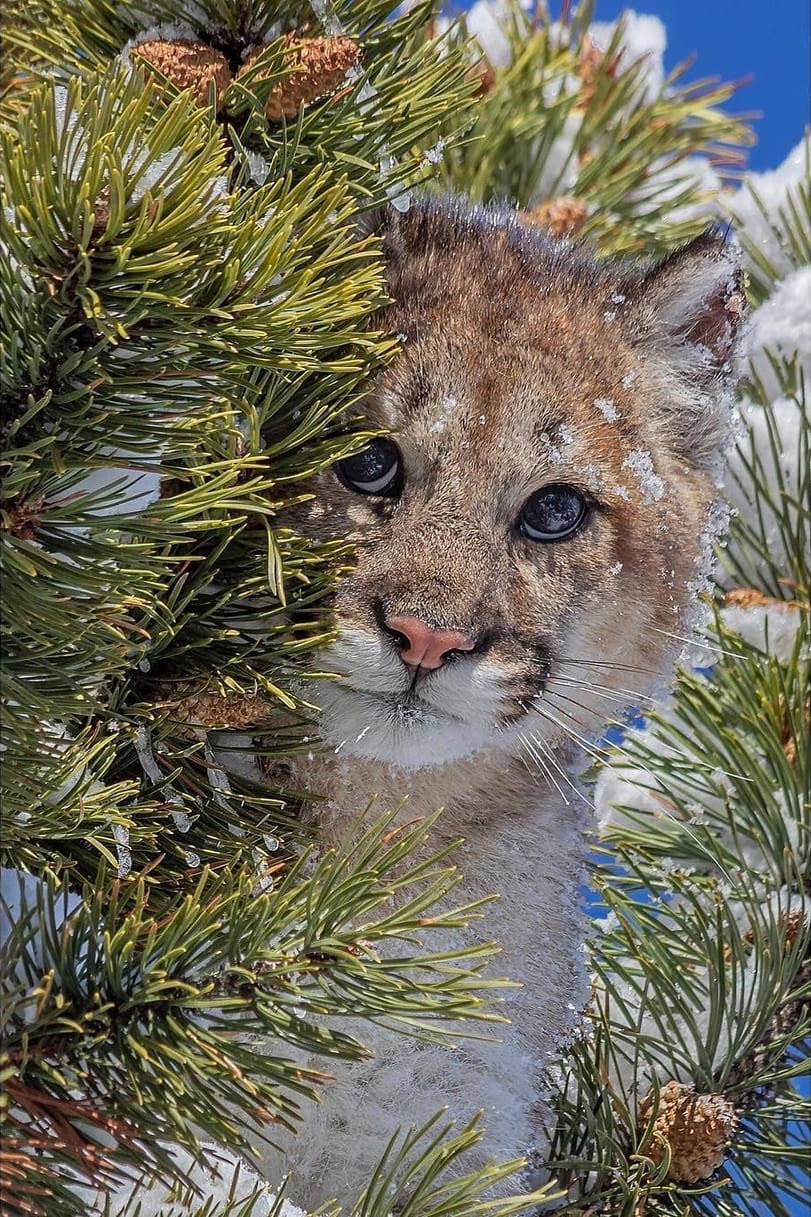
x,y
370,712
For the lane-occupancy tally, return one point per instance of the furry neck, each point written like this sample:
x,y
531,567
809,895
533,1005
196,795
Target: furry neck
x,y
522,843
480,793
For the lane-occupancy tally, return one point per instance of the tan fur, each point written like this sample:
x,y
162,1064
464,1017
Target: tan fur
x,y
523,363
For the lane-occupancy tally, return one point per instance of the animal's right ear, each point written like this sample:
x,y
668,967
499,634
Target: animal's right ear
x,y
406,236
372,223
392,226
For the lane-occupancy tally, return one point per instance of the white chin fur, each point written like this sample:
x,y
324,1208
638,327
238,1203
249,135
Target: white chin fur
x,y
357,724
365,713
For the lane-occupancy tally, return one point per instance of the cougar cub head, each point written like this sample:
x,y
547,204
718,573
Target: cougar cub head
x,y
527,527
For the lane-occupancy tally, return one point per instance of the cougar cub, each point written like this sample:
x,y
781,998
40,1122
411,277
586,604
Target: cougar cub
x,y
527,530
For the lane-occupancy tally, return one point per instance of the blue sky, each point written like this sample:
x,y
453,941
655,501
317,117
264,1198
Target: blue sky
x,y
768,42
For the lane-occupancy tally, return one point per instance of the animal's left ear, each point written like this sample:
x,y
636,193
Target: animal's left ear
x,y
684,313
692,302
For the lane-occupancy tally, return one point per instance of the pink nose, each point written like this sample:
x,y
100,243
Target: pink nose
x,y
426,647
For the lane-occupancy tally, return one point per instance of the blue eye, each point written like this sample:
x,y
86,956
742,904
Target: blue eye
x,y
554,513
378,469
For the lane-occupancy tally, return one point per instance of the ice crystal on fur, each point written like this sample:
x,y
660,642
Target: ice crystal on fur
x,y
607,408
640,462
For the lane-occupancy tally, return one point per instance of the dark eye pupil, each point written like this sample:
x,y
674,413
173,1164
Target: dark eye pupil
x,y
554,513
375,470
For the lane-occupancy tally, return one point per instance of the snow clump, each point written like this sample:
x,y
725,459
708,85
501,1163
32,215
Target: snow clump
x,y
644,39
222,1181
781,325
758,204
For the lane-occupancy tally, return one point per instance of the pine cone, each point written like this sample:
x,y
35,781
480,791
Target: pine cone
x,y
319,66
752,597
785,1018
562,216
20,517
793,924
232,711
695,1128
591,64
189,65
789,735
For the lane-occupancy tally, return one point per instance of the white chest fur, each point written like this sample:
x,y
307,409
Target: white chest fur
x,y
522,844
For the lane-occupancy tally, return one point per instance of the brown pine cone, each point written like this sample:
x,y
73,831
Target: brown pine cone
x,y
562,216
696,1128
188,64
319,67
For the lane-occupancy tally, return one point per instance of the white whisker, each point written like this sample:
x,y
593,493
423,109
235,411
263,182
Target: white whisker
x,y
604,663
590,686
689,762
639,765
549,754
609,696
696,640
544,768
570,733
612,722
668,814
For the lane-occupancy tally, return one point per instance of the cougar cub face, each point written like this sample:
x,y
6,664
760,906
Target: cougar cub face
x,y
528,526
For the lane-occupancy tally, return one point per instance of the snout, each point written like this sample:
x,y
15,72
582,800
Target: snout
x,y
425,646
